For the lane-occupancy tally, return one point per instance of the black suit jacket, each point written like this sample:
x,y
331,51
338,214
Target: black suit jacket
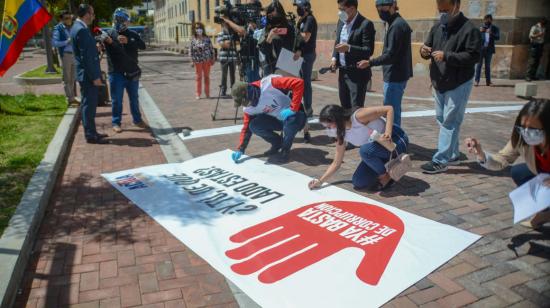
x,y
494,36
361,41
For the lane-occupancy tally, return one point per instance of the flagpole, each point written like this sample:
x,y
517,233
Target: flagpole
x,y
48,45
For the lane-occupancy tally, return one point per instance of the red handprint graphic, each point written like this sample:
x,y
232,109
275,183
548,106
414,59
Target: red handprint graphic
x,y
311,233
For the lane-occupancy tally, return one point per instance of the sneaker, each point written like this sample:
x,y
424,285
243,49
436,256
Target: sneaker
x,y
117,129
454,162
433,168
272,151
141,124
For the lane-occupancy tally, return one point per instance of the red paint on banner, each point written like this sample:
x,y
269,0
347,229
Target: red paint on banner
x,y
314,232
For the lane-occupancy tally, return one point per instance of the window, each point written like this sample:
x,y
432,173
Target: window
x,y
207,8
199,11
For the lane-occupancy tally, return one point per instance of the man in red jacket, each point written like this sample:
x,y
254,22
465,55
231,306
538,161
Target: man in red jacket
x,y
268,108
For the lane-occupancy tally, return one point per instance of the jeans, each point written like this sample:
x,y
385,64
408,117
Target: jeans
x,y
449,109
118,83
374,157
229,65
393,94
486,57
307,68
202,71
88,106
521,174
265,126
252,71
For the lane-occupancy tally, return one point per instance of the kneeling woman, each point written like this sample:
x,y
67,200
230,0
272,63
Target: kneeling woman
x,y
530,140
357,130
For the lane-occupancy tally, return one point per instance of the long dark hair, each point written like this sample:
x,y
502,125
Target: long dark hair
x,y
538,108
194,29
336,114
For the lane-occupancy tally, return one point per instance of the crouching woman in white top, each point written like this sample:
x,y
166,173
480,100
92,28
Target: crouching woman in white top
x,y
358,129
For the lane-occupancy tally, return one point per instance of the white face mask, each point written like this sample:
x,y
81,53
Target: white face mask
x,y
342,15
199,31
532,136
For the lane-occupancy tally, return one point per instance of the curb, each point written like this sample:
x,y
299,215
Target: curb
x,y
175,151
35,81
17,242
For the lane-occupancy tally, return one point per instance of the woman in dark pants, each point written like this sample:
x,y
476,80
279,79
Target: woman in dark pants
x,y
358,129
531,141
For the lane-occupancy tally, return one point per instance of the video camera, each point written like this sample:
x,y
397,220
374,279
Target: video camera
x,y
240,14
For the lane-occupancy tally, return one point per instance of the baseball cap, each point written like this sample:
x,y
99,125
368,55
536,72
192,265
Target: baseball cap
x,y
238,91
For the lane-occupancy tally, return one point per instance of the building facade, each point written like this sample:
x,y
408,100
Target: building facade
x,y
513,17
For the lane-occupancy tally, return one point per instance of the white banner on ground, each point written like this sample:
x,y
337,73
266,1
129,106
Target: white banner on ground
x,y
284,245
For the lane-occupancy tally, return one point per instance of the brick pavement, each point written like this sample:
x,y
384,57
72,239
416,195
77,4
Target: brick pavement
x,y
509,266
97,249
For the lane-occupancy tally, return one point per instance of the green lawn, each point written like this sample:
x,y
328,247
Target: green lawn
x,y
40,72
27,124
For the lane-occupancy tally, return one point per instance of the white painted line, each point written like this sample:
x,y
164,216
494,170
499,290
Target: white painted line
x,y
422,99
210,132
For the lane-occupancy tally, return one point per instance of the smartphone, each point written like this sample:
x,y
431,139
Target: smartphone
x,y
281,31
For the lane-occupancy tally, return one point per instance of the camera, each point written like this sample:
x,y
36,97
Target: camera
x,y
240,14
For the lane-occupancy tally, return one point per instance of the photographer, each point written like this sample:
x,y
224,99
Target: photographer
x,y
227,56
122,57
248,51
279,34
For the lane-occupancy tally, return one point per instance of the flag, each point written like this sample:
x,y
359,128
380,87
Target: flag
x,y
22,19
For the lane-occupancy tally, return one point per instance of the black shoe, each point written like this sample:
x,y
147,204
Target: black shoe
x,y
284,156
101,136
97,140
433,168
272,151
350,146
528,79
307,138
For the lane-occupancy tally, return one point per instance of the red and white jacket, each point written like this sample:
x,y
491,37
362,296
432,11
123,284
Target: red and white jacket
x,y
272,101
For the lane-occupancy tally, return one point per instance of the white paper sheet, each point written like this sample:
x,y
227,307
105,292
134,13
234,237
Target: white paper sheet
x,y
530,198
286,62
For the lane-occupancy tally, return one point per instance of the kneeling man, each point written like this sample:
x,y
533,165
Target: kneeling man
x,y
267,109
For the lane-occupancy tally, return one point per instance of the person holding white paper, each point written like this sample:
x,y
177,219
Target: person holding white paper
x,y
358,129
530,140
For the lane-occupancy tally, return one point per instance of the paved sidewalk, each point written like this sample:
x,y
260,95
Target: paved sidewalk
x,y
509,266
97,249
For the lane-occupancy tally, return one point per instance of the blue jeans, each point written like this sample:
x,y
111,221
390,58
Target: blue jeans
x,y
521,174
486,57
265,126
449,109
118,83
307,68
374,157
252,71
393,94
88,106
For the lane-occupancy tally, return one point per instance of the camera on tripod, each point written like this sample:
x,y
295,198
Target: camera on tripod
x,y
240,14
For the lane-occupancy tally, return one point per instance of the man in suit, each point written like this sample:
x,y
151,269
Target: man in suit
x,y
489,33
87,71
354,42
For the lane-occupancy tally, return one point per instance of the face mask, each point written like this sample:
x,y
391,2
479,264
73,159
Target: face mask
x,y
384,15
444,18
331,132
301,12
343,16
532,136
199,31
487,24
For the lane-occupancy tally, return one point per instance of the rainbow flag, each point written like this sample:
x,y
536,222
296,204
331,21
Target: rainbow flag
x,y
22,19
